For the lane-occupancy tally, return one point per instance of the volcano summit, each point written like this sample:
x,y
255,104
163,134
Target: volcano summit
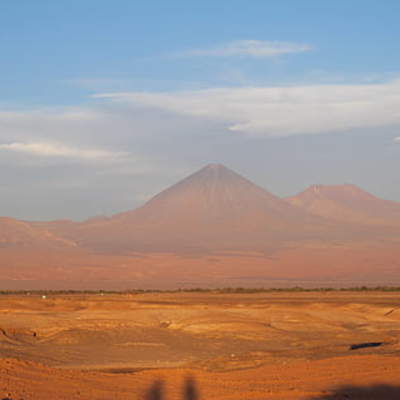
x,y
212,209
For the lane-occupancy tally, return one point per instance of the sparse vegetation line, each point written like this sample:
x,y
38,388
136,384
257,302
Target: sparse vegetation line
x,y
227,290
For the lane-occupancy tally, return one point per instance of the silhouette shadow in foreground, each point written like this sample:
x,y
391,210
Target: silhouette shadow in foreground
x,y
190,391
376,392
156,390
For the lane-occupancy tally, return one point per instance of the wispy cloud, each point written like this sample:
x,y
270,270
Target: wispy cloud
x,y
137,143
60,150
279,111
251,48
397,139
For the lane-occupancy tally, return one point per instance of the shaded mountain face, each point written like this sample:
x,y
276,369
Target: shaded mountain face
x,y
215,208
14,233
347,203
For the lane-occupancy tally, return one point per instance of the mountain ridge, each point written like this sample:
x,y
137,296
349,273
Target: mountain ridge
x,y
347,203
214,208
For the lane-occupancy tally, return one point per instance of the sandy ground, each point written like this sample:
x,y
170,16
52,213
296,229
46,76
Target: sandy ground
x,y
312,264
233,346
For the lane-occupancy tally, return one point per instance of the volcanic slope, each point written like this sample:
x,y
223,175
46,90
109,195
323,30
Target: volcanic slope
x,y
213,209
347,203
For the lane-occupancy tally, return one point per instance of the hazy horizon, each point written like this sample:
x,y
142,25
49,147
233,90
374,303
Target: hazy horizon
x,y
104,105
184,178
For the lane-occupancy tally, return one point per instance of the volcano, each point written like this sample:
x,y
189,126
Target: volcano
x,y
349,204
214,228
214,208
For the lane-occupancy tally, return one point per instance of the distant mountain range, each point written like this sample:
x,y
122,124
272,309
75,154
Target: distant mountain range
x,y
214,211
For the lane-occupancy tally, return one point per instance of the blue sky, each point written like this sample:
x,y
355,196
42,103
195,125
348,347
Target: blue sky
x,y
50,47
114,100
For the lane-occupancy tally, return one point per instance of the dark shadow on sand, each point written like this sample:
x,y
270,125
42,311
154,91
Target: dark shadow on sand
x,y
157,392
376,392
190,391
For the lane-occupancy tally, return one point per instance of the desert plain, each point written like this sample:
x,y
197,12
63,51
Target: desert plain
x,y
211,230
265,345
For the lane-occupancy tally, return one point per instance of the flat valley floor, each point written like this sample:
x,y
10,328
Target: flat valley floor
x,y
272,345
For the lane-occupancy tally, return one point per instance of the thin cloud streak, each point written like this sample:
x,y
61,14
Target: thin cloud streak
x,y
61,150
250,48
281,111
167,138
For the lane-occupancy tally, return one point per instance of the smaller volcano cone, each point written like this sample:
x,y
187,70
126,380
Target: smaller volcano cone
x,y
347,203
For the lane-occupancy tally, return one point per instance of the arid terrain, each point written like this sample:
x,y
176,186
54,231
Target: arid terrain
x,y
270,345
199,200
214,228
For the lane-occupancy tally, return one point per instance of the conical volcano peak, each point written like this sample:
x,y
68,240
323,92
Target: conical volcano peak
x,y
215,192
215,169
215,166
214,208
214,177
